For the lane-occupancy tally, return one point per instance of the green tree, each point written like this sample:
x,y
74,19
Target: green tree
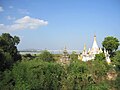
x,y
28,56
100,57
6,80
46,56
117,82
77,76
33,75
74,56
111,44
8,50
98,71
40,75
16,40
116,59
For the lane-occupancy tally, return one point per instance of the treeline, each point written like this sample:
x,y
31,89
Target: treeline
x,y
40,75
43,72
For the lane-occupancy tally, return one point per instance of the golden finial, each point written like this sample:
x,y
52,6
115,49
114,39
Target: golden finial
x,y
84,47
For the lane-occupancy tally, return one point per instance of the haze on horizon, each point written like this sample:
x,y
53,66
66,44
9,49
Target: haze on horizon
x,y
54,24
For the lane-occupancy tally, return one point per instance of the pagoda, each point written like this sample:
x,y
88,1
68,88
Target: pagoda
x,y
65,57
90,54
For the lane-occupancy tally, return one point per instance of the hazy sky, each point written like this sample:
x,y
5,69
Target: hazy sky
x,y
53,24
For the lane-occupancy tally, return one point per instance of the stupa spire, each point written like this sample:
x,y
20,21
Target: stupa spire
x,y
94,37
84,47
95,46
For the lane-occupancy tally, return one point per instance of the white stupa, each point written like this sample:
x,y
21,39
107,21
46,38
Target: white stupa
x,y
95,48
90,54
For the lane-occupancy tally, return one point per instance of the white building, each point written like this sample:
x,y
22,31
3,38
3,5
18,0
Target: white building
x,y
90,54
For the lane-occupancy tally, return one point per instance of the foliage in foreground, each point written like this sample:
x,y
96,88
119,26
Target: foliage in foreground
x,y
33,75
40,75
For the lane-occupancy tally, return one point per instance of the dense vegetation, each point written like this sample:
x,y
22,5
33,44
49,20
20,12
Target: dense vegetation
x,y
43,72
8,51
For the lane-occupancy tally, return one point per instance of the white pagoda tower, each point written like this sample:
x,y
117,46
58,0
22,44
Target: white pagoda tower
x,y
95,49
90,54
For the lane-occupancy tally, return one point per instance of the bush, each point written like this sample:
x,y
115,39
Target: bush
x,y
46,56
33,75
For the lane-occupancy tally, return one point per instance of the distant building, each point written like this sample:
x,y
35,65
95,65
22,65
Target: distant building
x,y
90,54
65,57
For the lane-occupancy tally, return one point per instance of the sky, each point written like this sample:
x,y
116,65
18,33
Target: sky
x,y
54,24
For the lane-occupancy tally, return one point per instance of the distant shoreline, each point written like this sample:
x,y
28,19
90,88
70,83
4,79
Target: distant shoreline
x,y
51,51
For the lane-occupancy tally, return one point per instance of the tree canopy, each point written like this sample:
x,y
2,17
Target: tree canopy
x,y
74,56
8,50
46,56
33,75
116,59
111,44
100,57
